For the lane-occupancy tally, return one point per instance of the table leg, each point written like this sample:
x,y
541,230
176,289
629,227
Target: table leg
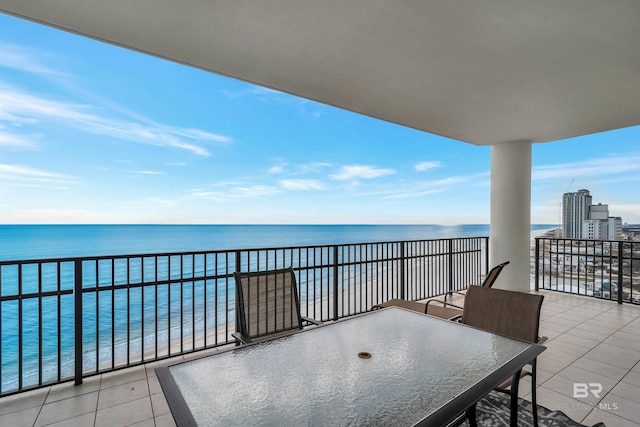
x,y
471,416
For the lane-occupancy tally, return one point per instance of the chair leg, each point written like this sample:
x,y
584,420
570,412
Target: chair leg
x,y
514,399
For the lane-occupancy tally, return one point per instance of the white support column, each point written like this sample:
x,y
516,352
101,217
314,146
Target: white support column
x,y
509,238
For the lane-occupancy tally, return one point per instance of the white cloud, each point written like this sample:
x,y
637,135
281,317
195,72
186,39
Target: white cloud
x,y
453,180
360,171
148,172
312,167
588,168
413,194
21,108
26,177
234,193
408,190
25,174
261,90
202,135
423,166
276,169
302,184
17,141
24,58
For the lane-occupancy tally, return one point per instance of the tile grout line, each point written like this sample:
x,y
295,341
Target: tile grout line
x,y
41,406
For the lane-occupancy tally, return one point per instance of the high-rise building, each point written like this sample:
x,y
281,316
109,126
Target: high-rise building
x,y
575,209
583,220
599,211
595,229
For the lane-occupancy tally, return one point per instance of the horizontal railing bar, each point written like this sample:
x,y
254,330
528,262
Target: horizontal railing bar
x,y
44,294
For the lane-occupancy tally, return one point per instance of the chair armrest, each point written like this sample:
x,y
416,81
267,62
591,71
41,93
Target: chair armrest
x,y
310,320
241,338
444,303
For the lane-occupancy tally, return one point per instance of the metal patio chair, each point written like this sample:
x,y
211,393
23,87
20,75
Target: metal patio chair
x,y
439,308
451,311
512,314
446,311
488,281
267,305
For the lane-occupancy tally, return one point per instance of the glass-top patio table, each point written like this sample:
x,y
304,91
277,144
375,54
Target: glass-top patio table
x,y
388,367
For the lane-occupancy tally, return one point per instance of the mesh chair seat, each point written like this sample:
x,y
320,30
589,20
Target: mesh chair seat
x,y
509,313
403,303
267,304
446,311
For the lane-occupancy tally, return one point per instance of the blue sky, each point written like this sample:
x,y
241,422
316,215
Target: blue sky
x,y
92,133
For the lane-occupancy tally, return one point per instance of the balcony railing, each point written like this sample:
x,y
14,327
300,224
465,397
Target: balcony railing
x,y
605,269
68,318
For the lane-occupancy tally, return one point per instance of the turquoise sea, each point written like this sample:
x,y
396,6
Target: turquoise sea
x,y
30,242
18,242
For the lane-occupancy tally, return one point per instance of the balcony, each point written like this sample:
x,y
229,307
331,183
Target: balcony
x,y
591,340
500,85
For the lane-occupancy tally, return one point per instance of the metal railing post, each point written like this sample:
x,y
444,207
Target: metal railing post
x,y
403,291
237,269
537,272
77,290
486,255
450,292
335,283
238,262
620,266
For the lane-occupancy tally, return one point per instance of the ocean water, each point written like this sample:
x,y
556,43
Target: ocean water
x,y
110,326
19,242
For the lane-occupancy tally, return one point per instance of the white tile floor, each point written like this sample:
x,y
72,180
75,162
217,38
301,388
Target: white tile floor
x,y
590,341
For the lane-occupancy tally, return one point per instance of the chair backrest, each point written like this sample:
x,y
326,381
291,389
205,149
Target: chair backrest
x,y
267,303
514,314
493,274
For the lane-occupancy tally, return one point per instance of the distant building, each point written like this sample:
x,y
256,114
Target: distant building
x,y
599,211
631,231
595,229
581,219
615,228
575,209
